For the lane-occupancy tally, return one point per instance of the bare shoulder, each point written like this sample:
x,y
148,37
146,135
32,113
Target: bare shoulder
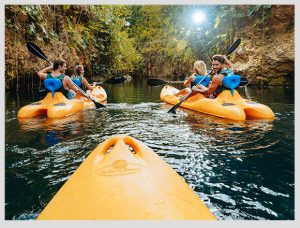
x,y
67,79
42,75
218,78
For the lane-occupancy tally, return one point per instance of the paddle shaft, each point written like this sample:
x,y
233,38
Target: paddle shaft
x,y
157,82
173,110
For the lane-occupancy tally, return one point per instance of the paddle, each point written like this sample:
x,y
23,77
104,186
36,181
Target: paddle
x,y
230,50
173,110
113,80
233,46
243,82
34,49
157,82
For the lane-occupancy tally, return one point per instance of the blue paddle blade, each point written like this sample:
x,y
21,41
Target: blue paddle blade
x,y
52,84
76,81
231,82
205,82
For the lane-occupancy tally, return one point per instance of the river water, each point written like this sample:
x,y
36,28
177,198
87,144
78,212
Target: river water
x,y
240,170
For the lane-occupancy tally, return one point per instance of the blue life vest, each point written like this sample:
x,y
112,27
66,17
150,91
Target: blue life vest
x,y
205,82
52,84
77,81
231,81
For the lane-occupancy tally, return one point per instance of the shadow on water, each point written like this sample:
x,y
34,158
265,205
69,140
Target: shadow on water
x,y
241,170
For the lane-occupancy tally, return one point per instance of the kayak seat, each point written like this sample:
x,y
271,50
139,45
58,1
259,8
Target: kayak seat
x,y
36,103
231,82
60,104
228,104
251,102
52,84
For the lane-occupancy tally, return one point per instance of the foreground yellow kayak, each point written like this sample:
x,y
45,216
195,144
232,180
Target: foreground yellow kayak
x,y
53,107
123,179
226,105
98,94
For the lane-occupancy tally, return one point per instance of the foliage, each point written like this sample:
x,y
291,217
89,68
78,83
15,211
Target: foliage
x,y
119,39
157,39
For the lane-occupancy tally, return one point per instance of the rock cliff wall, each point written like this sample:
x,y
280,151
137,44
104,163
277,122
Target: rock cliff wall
x,y
266,54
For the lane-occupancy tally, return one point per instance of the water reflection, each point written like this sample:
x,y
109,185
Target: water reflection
x,y
242,135
57,130
42,122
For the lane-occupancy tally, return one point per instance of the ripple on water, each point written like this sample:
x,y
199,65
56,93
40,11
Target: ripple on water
x,y
26,215
271,192
224,198
255,205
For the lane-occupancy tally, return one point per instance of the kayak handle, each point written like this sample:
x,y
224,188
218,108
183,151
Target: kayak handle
x,y
123,139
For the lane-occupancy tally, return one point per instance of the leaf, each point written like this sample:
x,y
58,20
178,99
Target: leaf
x,y
66,7
217,22
254,9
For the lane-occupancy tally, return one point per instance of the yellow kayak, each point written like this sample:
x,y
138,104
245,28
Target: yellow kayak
x,y
59,106
123,179
98,94
226,105
54,107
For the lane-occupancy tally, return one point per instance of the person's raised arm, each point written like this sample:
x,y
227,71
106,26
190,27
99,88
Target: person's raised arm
x,y
43,72
230,64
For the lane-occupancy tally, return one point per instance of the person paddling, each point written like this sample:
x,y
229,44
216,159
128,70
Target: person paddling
x,y
219,72
78,74
199,70
57,70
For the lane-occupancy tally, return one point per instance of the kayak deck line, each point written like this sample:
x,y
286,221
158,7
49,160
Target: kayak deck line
x,y
125,185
